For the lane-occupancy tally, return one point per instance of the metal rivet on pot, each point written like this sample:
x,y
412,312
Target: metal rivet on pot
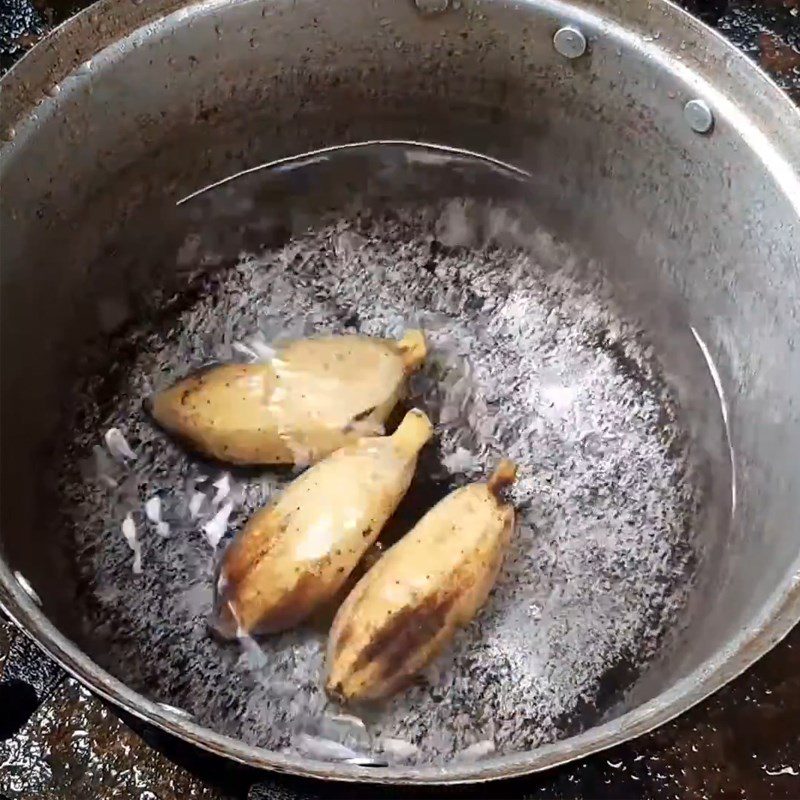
x,y
569,42
28,589
699,116
432,6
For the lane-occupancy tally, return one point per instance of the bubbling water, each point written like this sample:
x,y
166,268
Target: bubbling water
x,y
530,358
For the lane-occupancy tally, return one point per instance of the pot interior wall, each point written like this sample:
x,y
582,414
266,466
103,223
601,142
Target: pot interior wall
x,y
692,231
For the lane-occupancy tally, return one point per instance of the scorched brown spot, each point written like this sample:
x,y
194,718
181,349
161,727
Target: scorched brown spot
x,y
777,56
404,633
292,608
344,637
257,540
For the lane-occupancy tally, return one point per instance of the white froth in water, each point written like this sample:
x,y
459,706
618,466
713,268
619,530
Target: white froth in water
x,y
118,445
217,526
132,538
527,362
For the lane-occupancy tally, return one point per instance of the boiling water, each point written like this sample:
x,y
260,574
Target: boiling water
x,y
531,358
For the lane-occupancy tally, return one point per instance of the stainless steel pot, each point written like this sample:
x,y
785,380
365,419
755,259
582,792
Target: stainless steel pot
x,y
653,145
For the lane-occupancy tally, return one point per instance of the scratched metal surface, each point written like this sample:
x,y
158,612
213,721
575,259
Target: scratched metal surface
x,y
742,742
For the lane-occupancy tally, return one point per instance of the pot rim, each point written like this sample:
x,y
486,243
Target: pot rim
x,y
40,68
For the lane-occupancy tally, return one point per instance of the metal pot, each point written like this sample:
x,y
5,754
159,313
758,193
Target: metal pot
x,y
652,145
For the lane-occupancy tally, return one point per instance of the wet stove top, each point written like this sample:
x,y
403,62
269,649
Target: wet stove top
x,y
744,742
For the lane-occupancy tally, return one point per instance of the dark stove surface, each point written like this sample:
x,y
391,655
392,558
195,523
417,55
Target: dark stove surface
x,y
744,742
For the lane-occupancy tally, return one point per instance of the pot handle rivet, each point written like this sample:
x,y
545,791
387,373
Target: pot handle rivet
x,y
569,42
699,116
